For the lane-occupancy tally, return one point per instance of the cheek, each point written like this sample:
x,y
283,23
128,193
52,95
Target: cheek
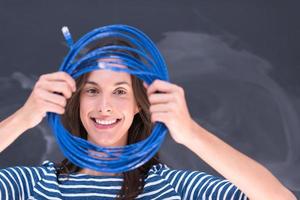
x,y
125,105
85,107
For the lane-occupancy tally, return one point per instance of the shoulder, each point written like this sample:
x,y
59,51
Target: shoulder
x,y
21,180
190,184
165,171
28,173
48,165
158,168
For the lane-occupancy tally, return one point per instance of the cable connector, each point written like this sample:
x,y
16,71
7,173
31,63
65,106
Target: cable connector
x,y
67,36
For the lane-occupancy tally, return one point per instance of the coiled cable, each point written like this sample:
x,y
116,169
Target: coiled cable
x,y
151,66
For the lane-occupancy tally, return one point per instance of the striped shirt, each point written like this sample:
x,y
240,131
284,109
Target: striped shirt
x,y
161,183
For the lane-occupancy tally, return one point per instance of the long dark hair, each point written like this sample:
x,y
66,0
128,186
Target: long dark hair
x,y
140,128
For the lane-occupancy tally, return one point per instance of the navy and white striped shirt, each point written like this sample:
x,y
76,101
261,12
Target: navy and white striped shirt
x,y
161,183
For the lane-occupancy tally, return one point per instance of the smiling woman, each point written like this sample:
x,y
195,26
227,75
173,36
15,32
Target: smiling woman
x,y
102,96
113,109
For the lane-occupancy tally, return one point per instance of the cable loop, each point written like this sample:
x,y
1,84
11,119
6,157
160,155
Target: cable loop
x,y
151,66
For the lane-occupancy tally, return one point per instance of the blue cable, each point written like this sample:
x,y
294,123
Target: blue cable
x,y
150,67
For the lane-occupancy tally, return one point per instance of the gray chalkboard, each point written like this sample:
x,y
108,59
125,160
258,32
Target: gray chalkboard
x,y
238,62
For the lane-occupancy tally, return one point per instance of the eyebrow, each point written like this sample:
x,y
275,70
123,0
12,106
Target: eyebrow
x,y
116,84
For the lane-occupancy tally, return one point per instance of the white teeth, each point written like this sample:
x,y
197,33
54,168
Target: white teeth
x,y
105,122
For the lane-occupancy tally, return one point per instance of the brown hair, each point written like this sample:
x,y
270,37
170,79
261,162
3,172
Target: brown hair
x,y
140,129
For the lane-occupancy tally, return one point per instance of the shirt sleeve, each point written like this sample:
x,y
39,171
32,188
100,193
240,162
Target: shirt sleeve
x,y
18,182
200,185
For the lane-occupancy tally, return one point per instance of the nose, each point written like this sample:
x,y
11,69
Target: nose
x,y
104,105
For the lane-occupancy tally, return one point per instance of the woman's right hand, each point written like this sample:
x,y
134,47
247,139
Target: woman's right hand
x,y
50,94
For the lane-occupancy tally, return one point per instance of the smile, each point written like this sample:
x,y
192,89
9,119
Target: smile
x,y
105,124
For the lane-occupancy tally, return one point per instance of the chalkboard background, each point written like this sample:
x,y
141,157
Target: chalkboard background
x,y
237,60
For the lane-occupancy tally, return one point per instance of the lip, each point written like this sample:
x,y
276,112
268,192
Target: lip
x,y
99,126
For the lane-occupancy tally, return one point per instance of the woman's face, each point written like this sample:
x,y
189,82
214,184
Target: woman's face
x,y
107,107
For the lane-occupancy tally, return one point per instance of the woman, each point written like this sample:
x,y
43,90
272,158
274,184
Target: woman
x,y
111,109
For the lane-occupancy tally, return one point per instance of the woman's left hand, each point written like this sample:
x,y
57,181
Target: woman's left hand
x,y
168,105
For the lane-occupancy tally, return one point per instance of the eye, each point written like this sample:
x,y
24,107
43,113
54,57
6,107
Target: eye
x,y
120,92
91,91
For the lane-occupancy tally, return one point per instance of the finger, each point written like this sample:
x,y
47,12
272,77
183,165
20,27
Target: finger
x,y
158,117
163,108
58,76
156,98
57,87
161,86
51,107
53,98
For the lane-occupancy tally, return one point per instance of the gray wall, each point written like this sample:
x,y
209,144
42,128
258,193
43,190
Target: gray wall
x,y
238,62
